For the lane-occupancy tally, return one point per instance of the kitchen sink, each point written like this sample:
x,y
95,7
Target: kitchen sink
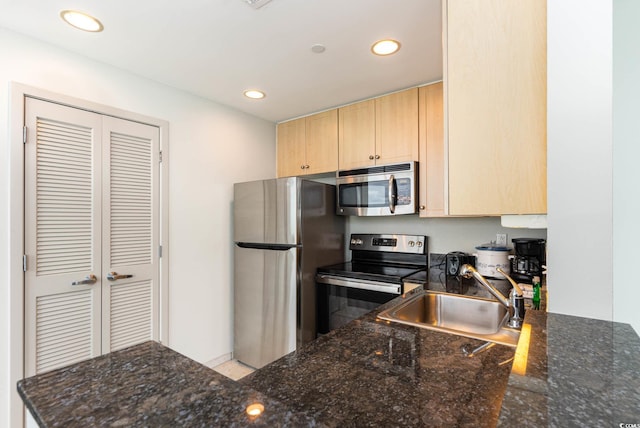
x,y
473,317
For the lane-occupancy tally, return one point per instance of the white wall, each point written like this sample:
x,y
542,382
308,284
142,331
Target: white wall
x,y
626,153
579,154
211,147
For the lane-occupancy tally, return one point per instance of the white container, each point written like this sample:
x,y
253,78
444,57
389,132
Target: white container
x,y
489,257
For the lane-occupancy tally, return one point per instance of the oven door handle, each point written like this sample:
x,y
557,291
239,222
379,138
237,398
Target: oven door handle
x,y
392,194
360,284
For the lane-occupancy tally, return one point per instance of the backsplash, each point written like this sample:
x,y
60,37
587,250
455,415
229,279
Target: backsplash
x,y
445,234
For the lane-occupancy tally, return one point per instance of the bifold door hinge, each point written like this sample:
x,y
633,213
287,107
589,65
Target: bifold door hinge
x,y
160,251
24,135
24,262
160,156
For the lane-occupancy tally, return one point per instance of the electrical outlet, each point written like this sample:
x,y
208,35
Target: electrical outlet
x,y
501,239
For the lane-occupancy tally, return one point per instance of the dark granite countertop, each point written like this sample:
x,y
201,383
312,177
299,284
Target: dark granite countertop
x,y
580,372
593,372
525,400
567,371
372,373
147,385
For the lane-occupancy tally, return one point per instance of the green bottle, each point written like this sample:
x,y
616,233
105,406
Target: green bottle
x,y
536,292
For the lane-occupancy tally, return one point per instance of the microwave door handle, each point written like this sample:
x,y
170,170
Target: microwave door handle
x,y
392,194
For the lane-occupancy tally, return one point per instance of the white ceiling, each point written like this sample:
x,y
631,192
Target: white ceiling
x,y
218,48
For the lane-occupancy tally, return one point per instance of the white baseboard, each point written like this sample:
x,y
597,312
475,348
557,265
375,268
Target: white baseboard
x,y
217,361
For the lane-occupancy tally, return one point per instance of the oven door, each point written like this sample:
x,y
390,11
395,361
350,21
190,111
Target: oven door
x,y
341,300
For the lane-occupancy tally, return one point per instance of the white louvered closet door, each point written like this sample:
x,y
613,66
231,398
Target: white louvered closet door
x,y
92,231
63,216
130,273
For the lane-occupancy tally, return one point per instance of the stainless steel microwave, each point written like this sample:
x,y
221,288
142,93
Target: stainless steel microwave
x,y
378,190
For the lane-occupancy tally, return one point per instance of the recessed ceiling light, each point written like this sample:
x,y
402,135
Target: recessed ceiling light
x,y
318,48
256,4
81,21
385,47
254,94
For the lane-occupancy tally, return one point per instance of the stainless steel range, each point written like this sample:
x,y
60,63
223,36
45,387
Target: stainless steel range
x,y
379,267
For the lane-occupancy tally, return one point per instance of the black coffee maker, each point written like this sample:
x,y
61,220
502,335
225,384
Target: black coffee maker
x,y
530,255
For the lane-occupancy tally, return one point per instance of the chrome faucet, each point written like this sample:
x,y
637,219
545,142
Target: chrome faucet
x,y
515,321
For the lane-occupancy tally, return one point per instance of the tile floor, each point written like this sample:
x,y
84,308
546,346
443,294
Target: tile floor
x,y
233,369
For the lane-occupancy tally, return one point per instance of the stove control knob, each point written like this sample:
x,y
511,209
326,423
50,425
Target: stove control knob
x,y
358,241
419,243
412,244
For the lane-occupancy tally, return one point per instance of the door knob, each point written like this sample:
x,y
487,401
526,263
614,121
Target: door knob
x,y
112,276
89,279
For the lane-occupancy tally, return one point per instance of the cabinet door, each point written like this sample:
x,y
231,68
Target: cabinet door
x,y
397,127
432,159
322,142
496,106
357,135
291,148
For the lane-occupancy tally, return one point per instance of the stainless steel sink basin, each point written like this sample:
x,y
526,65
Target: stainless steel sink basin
x,y
467,316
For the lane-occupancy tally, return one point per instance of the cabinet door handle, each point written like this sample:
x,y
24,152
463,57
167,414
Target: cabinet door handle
x,y
306,166
377,156
89,279
301,166
112,276
371,157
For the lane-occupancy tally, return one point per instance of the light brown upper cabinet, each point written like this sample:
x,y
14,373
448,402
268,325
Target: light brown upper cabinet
x,y
379,131
308,145
431,169
292,156
495,99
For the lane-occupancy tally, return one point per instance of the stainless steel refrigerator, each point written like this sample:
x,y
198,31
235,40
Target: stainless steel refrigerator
x,y
283,230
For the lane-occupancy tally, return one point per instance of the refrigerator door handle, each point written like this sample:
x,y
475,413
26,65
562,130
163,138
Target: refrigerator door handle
x,y
260,246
